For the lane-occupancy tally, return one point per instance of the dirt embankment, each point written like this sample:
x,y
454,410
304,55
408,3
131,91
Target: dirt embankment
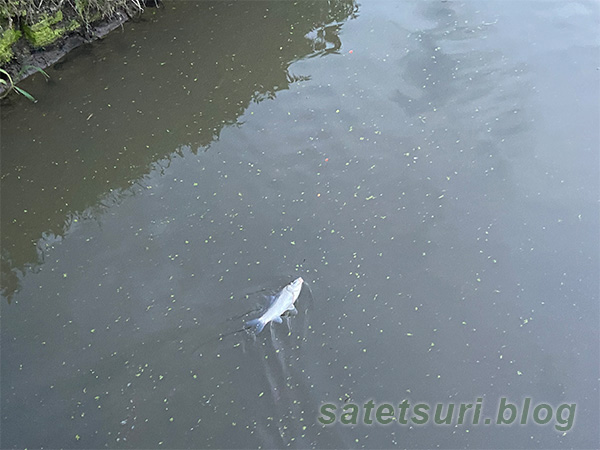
x,y
36,33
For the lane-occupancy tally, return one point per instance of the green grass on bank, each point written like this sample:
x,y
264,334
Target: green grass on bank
x,y
40,23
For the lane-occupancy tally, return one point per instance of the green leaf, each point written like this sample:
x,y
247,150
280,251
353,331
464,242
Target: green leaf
x,y
37,69
25,94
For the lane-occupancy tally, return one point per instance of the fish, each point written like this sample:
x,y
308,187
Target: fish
x,y
282,302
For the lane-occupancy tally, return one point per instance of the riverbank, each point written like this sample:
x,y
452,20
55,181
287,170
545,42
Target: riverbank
x,y
36,35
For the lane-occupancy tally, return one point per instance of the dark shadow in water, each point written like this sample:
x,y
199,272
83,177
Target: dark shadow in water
x,y
70,156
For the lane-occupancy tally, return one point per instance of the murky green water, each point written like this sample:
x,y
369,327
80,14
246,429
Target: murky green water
x,y
430,168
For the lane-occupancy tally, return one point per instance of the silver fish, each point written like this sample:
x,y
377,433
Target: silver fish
x,y
281,303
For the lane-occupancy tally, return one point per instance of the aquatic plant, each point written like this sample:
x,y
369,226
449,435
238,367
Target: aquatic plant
x,y
7,81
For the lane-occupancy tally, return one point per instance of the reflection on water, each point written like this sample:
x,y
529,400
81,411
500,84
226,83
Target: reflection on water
x,y
81,157
432,177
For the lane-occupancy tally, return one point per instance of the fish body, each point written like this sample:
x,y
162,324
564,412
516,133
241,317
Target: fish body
x,y
281,303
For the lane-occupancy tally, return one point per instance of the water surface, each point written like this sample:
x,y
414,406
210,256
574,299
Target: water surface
x,y
430,168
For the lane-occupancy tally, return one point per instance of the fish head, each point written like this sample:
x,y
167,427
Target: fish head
x,y
295,287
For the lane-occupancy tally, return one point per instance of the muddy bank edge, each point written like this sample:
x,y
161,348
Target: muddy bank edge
x,y
38,36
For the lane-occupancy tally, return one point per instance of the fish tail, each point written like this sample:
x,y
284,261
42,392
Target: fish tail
x,y
256,324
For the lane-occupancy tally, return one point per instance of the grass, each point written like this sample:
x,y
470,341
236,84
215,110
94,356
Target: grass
x,y
7,81
30,25
28,11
